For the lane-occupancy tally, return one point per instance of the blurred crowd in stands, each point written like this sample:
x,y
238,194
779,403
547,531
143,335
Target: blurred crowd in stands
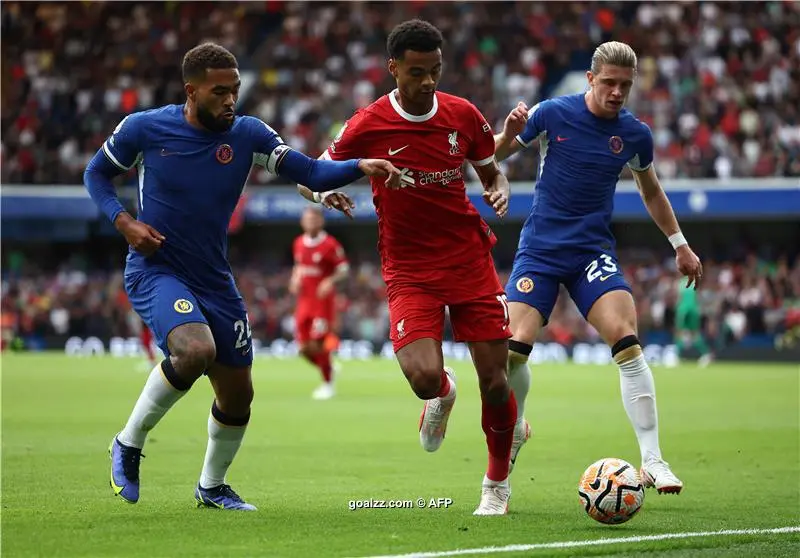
x,y
753,297
719,83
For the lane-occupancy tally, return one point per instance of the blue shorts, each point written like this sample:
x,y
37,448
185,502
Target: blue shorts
x,y
535,279
164,302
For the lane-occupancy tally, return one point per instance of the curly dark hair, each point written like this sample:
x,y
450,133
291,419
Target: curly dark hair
x,y
414,34
207,56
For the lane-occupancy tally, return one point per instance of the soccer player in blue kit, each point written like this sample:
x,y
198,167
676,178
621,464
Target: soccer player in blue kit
x,y
193,161
585,140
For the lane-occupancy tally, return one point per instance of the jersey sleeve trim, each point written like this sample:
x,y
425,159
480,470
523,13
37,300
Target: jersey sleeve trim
x,y
635,165
326,155
114,160
638,169
482,162
522,141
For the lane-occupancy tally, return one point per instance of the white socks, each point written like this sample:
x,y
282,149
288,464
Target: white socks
x,y
225,434
223,442
519,378
157,397
639,399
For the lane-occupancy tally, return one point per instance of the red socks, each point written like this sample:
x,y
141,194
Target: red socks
x,y
498,424
444,389
146,338
323,362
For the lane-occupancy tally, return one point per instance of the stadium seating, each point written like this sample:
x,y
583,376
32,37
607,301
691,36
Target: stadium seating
x,y
725,106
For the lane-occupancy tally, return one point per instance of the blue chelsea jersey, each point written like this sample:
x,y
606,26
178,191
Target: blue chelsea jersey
x,y
189,182
581,159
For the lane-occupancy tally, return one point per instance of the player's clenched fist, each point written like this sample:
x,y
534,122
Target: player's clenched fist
x,y
381,167
689,265
516,119
141,236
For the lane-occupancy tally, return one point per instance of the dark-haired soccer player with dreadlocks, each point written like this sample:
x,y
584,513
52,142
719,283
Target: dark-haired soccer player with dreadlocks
x,y
435,248
193,161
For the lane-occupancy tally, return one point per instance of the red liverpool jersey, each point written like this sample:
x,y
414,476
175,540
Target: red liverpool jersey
x,y
430,222
316,259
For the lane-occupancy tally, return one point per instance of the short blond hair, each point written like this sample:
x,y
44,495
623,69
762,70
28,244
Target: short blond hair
x,y
613,53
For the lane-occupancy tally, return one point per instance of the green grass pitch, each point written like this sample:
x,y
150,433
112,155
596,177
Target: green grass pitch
x,y
731,432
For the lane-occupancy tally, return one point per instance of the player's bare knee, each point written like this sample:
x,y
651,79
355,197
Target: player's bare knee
x,y
618,332
192,348
194,356
423,365
424,380
526,322
617,328
237,402
314,348
244,396
494,386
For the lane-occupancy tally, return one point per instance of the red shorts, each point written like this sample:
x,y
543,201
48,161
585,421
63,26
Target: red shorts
x,y
313,319
473,295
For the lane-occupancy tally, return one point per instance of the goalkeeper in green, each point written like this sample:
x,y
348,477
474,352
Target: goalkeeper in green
x,y
688,324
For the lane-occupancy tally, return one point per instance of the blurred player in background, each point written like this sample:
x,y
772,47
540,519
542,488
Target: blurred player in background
x,y
146,338
319,264
435,248
585,142
137,326
689,324
193,161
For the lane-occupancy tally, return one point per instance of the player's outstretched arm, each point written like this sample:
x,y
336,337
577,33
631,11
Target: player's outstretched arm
x,y
660,209
319,175
505,143
97,178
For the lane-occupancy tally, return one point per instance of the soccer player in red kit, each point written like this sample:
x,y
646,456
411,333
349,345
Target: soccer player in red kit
x,y
319,264
435,248
146,339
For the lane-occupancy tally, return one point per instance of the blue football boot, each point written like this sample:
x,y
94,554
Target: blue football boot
x,y
125,470
220,497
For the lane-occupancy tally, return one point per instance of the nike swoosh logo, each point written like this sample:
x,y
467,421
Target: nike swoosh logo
x,y
559,138
117,489
165,153
606,277
212,502
396,151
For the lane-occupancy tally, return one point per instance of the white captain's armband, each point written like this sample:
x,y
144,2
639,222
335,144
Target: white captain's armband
x,y
275,158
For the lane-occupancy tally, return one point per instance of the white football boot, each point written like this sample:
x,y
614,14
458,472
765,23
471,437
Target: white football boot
x,y
434,417
323,392
494,497
657,474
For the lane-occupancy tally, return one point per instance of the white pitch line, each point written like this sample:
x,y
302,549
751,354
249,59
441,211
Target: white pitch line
x,y
595,542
